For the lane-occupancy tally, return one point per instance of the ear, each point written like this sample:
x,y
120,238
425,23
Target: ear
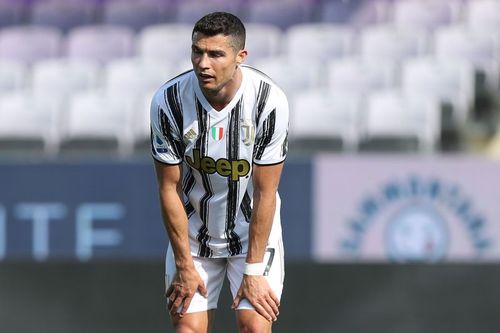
x,y
241,56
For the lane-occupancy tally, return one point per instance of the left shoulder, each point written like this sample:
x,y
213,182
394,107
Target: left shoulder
x,y
257,78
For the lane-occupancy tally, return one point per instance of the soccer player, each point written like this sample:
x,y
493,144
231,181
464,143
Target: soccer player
x,y
219,140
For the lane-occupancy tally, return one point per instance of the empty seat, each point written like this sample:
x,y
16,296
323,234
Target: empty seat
x,y
28,44
262,41
100,43
97,122
357,14
390,115
450,82
484,16
279,13
355,75
11,12
318,42
132,78
26,118
325,115
427,15
291,79
13,75
479,49
190,11
63,14
165,43
134,14
385,43
63,77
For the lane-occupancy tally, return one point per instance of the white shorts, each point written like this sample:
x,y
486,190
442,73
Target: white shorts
x,y
213,272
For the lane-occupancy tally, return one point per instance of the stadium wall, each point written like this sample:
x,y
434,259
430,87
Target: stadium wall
x,y
108,297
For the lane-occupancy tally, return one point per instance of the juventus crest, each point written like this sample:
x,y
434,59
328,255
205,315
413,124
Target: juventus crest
x,y
247,132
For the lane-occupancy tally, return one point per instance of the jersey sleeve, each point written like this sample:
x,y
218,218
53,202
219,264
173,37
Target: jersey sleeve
x,y
271,142
166,141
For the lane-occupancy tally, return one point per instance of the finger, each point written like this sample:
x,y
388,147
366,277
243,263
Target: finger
x,y
202,289
185,305
262,311
169,290
273,306
274,298
271,315
175,306
236,302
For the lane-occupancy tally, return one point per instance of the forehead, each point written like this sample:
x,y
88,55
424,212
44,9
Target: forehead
x,y
219,42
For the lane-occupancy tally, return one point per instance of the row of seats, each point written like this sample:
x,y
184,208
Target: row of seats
x,y
95,117
136,14
451,81
301,44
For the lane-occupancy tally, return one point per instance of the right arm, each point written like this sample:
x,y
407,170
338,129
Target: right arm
x,y
186,280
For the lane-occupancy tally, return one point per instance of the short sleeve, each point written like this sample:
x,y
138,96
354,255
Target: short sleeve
x,y
271,142
166,142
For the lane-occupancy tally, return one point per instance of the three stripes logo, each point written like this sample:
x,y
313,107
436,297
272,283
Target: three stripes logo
x,y
217,133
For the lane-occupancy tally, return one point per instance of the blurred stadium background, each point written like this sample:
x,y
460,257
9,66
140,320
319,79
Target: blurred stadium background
x,y
390,193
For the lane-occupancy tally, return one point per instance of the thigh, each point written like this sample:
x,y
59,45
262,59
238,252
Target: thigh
x,y
211,270
274,258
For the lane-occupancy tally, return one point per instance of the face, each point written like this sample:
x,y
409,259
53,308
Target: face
x,y
215,61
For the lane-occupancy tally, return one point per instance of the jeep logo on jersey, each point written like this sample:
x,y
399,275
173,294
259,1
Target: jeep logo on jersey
x,y
224,167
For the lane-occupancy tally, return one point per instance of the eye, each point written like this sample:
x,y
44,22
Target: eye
x,y
196,50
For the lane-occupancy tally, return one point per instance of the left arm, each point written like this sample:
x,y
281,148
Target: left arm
x,y
256,288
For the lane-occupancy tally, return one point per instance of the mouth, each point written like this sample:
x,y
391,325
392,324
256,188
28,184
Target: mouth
x,y
205,77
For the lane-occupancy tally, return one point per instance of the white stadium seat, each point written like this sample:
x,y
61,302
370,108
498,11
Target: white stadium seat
x,y
318,42
481,50
13,75
291,79
165,43
391,114
94,117
384,43
426,15
131,78
27,117
450,82
326,115
262,41
62,77
355,75
484,16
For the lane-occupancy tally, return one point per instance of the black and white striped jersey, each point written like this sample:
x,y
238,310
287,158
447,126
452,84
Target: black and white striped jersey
x,y
217,150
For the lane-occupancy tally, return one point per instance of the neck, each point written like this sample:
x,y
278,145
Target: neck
x,y
219,99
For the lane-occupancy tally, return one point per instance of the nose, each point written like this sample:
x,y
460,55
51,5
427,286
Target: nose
x,y
203,61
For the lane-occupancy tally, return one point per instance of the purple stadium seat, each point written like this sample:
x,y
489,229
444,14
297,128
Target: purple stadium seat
x,y
100,43
357,13
11,12
28,44
283,13
63,14
136,14
424,15
191,11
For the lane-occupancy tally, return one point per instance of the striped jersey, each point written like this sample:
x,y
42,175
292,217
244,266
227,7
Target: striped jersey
x,y
217,150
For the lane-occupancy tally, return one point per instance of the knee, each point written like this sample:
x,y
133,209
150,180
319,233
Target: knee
x,y
186,328
253,326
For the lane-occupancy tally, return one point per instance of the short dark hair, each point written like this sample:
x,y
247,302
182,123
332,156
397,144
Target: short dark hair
x,y
222,23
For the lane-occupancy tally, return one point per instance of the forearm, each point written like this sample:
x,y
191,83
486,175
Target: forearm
x,y
260,225
176,225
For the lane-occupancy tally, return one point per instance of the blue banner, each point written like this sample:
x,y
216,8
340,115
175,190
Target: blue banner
x,y
110,210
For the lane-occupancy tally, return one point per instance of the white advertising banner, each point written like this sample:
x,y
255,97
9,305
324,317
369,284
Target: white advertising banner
x,y
406,208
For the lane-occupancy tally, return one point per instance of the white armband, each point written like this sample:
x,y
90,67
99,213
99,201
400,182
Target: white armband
x,y
255,269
